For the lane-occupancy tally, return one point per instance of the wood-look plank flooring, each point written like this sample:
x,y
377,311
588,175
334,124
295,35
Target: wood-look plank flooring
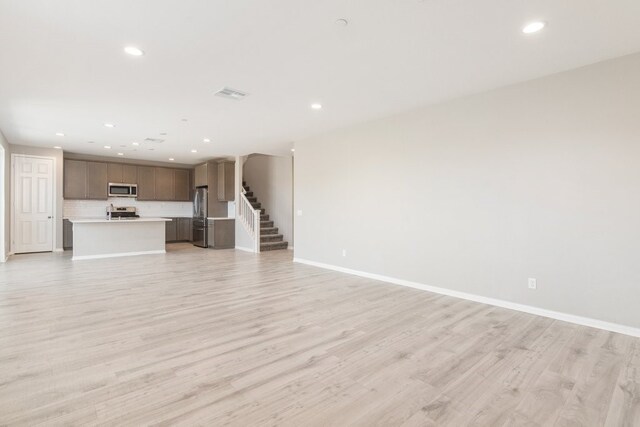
x,y
204,337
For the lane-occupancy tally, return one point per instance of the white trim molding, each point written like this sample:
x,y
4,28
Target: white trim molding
x,y
565,317
85,257
242,248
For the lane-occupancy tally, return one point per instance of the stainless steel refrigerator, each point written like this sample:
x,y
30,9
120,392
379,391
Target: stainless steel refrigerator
x,y
200,229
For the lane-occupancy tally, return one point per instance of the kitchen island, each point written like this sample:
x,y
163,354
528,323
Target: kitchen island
x,y
106,238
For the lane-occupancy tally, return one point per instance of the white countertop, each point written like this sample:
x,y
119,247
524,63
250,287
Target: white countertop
x,y
120,221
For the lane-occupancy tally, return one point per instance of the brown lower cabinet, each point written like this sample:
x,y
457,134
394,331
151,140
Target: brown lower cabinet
x,y
171,230
222,233
178,230
184,229
67,234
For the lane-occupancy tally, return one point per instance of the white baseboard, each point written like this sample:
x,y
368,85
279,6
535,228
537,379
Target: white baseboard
x,y
242,248
290,248
85,257
58,250
579,320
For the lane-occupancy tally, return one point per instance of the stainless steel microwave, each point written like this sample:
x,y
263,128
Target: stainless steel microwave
x,y
123,190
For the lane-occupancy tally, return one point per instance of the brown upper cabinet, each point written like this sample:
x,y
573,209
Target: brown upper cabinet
x,y
90,180
97,181
226,181
119,173
219,177
159,183
181,181
200,179
146,183
75,179
85,180
165,189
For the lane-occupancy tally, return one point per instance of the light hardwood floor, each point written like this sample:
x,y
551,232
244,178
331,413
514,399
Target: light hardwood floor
x,y
203,337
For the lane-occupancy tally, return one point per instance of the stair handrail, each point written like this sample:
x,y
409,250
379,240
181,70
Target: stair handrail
x,y
250,218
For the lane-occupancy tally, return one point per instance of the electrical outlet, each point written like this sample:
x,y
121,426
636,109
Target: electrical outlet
x,y
344,252
533,283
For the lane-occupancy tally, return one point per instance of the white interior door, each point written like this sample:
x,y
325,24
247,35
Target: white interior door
x,y
33,204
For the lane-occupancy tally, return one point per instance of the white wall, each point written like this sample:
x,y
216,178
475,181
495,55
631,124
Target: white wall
x,y
5,198
540,179
271,180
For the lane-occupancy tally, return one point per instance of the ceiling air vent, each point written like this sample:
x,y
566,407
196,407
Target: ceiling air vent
x,y
154,140
227,92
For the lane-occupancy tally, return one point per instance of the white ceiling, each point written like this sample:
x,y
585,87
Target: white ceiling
x,y
62,66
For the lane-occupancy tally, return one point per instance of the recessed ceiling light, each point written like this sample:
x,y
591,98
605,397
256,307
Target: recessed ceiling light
x,y
293,150
90,142
108,147
134,51
59,134
206,140
194,151
342,22
120,154
316,106
57,147
135,143
171,159
533,27
109,125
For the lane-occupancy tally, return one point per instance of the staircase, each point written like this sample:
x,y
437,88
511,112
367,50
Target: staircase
x,y
270,240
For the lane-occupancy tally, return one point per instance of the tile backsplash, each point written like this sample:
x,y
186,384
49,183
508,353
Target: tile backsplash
x,y
97,208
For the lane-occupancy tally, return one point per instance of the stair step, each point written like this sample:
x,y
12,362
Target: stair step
x,y
252,199
249,194
264,224
272,246
256,205
246,188
264,217
263,210
268,230
271,238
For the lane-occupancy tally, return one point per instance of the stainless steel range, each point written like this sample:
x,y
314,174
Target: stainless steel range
x,y
122,212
